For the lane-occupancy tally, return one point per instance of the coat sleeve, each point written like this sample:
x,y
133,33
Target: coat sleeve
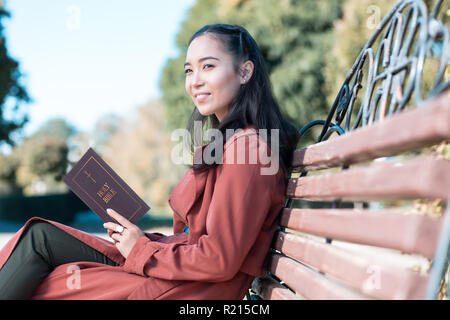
x,y
241,201
154,236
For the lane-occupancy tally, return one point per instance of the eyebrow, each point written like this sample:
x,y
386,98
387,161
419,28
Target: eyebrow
x,y
202,59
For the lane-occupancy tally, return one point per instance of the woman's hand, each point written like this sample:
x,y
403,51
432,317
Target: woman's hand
x,y
124,239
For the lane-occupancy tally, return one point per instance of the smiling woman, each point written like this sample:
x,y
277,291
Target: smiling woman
x,y
225,213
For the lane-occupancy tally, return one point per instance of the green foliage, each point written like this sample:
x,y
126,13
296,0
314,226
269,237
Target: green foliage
x,y
203,12
294,38
10,88
45,152
57,128
352,32
41,158
8,165
48,156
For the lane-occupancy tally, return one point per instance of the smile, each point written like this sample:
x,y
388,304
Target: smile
x,y
202,97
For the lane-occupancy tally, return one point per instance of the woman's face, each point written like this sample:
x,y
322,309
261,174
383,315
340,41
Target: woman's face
x,y
211,79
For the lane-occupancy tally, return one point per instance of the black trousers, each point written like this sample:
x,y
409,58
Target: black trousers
x,y
40,249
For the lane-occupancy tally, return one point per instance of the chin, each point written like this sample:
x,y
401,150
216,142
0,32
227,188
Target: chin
x,y
204,112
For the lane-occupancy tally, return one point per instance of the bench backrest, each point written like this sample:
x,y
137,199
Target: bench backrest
x,y
353,227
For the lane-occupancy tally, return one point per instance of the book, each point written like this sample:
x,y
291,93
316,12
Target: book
x,y
100,188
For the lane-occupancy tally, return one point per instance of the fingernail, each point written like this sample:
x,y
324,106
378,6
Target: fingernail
x,y
108,211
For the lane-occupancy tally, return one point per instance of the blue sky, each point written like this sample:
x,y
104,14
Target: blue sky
x,y
82,59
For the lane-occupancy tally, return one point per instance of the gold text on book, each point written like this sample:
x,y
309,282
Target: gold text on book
x,y
106,192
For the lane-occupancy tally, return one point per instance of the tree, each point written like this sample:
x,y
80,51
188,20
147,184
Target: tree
x,y
11,90
40,162
8,166
55,127
359,21
48,156
294,37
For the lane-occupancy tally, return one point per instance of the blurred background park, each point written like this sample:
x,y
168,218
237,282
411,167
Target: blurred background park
x,y
109,75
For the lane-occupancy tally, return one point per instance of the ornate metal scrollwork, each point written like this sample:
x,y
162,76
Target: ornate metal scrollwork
x,y
407,36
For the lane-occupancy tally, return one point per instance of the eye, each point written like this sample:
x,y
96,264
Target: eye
x,y
186,71
207,66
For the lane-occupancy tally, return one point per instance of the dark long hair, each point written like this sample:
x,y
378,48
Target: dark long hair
x,y
253,105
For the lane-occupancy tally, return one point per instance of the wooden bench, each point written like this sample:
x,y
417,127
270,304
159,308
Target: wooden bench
x,y
356,224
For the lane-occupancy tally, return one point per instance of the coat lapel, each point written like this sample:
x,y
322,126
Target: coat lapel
x,y
186,193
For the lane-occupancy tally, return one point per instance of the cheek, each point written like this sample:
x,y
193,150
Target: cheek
x,y
228,85
186,86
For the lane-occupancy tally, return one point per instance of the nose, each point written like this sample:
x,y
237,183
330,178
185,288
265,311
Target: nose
x,y
197,79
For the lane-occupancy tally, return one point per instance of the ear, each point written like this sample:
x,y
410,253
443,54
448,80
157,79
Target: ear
x,y
246,71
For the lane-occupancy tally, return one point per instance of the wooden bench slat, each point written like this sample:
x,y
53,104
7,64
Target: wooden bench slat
x,y
268,289
422,177
420,127
411,233
368,275
308,283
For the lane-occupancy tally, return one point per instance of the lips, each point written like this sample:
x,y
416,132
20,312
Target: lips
x,y
201,96
201,93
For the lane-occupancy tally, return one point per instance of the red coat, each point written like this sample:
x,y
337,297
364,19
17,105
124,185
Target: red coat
x,y
231,212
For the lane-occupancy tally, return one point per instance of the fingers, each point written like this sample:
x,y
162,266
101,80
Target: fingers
x,y
119,218
110,232
111,226
117,237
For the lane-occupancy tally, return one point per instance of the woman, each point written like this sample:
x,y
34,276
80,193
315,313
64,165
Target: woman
x,y
224,212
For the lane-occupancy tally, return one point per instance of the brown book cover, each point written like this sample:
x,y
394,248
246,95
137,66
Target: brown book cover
x,y
99,187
